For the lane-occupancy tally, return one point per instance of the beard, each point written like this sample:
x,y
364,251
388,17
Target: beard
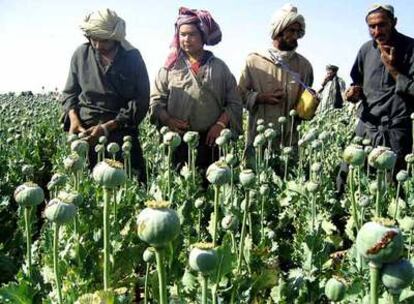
x,y
286,46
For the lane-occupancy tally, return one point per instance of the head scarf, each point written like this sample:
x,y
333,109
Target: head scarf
x,y
105,24
209,29
385,7
332,67
284,17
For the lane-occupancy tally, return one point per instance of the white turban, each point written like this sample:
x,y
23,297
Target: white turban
x,y
284,17
105,24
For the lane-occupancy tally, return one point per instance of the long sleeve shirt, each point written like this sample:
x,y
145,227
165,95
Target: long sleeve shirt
x,y
385,97
199,98
119,91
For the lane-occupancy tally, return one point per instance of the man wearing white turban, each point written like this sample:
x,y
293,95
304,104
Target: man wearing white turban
x,y
273,80
107,91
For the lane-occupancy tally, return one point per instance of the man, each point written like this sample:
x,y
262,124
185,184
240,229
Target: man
x,y
332,91
107,91
383,80
267,85
195,90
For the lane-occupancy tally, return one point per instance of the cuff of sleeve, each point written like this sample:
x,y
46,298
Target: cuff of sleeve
x,y
251,100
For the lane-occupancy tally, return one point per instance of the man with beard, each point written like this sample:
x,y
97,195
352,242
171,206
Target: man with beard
x,y
107,91
383,82
273,80
333,88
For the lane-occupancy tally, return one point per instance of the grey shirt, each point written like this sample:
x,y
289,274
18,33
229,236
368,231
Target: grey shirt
x,y
386,98
118,91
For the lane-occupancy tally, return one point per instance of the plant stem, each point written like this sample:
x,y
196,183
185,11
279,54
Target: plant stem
x,y
199,226
215,217
243,231
146,284
374,271
55,262
353,202
397,200
409,244
162,282
377,202
169,172
204,288
262,219
395,298
106,197
28,241
291,131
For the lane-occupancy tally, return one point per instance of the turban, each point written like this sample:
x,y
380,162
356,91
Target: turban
x,y
203,20
284,17
332,67
105,24
385,7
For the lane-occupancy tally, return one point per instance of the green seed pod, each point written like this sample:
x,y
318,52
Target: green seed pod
x,y
397,276
335,289
157,224
149,255
382,158
226,133
293,113
172,139
407,223
79,146
247,178
229,222
379,243
127,138
230,159
74,198
109,173
29,194
270,134
260,121
221,141
260,129
366,142
364,201
402,176
74,163
264,190
192,138
357,140
103,140
113,148
203,258
409,158
218,173
368,149
412,116
259,140
99,148
354,155
59,212
199,203
281,120
27,170
373,187
57,181
271,125
126,146
164,130
316,167
312,186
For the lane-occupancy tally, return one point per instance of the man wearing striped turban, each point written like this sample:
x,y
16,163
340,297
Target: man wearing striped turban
x,y
194,90
107,91
273,80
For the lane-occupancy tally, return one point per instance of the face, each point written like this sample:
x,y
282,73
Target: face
x,y
330,73
191,41
103,46
380,27
288,39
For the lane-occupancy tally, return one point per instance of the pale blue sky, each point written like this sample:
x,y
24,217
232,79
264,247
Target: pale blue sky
x,y
38,37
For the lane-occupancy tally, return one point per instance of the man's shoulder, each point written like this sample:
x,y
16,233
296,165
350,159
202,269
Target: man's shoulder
x,y
302,59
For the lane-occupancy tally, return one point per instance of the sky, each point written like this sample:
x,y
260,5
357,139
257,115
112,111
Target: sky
x,y
38,37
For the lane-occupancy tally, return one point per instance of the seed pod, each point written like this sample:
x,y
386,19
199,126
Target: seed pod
x,y
103,140
271,125
226,133
247,178
199,203
270,134
357,140
57,181
409,158
109,173
366,142
382,158
260,121
281,120
264,189
27,170
127,146
79,146
221,141
402,176
149,255
157,224
127,138
192,138
29,194
230,159
71,138
113,148
259,140
73,162
164,130
218,173
74,198
229,222
59,212
172,139
293,113
364,201
335,289
379,243
354,155
203,258
397,276
99,148
407,224
312,186
316,167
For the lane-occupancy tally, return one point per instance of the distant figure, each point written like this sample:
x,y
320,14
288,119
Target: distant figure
x,y
332,92
195,90
107,91
383,80
267,84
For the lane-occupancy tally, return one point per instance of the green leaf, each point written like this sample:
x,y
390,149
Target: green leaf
x,y
17,293
189,282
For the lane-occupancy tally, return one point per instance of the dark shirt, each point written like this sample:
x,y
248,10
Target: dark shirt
x,y
118,91
386,98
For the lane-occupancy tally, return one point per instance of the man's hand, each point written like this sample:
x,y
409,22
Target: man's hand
x,y
389,59
212,134
75,124
270,98
93,133
177,125
354,94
